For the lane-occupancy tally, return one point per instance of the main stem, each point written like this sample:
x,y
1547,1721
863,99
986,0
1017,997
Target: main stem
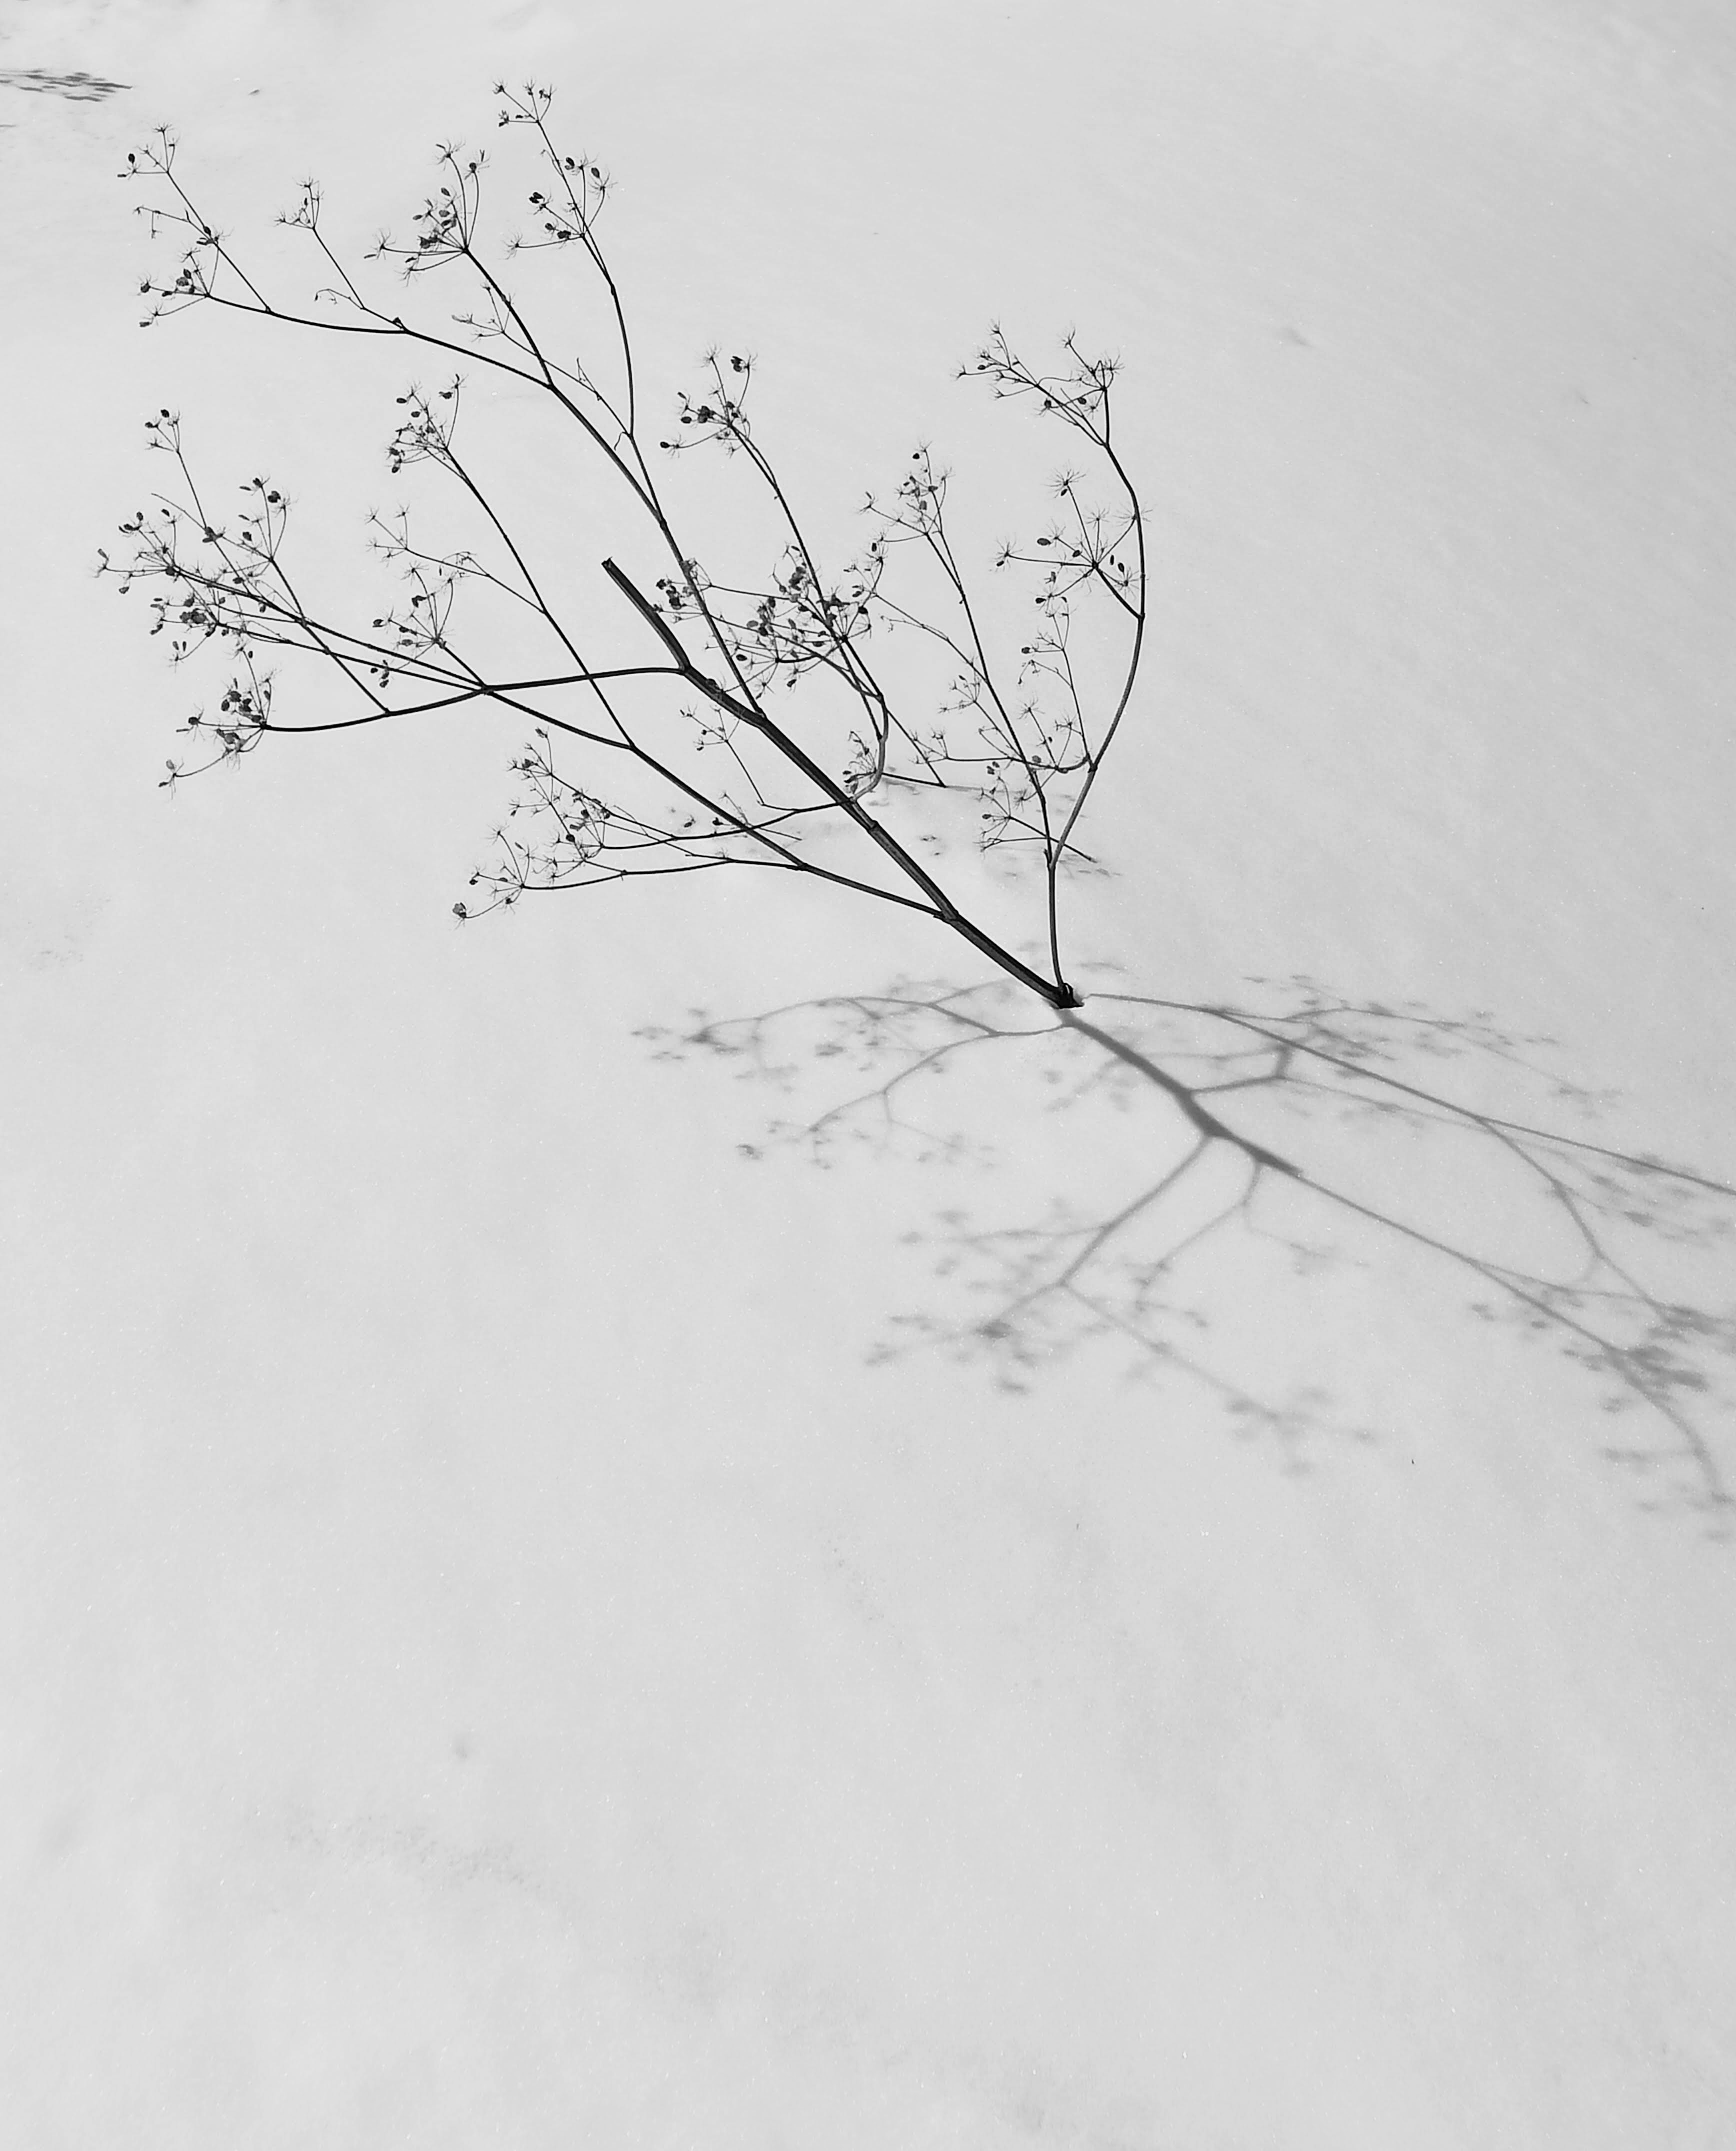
x,y
1056,992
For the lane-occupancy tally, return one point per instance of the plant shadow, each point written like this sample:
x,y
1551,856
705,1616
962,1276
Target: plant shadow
x,y
82,88
1297,1135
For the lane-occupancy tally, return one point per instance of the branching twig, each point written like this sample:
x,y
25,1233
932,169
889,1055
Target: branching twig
x,y
792,785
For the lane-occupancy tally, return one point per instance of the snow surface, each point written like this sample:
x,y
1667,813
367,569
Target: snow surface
x,y
493,1657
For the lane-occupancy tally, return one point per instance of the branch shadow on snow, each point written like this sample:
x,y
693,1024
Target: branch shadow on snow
x,y
1279,1141
84,89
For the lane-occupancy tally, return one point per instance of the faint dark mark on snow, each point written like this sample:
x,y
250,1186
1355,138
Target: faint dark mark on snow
x,y
49,932
87,88
53,956
1574,1246
388,1845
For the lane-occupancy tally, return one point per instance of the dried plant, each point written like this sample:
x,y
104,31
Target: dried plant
x,y
734,722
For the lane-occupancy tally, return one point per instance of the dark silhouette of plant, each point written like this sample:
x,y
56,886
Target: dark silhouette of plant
x,y
1563,1233
679,753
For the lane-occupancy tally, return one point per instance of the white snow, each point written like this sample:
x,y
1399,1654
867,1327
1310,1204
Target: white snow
x,y
492,1658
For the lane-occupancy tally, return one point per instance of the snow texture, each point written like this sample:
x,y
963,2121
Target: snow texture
x,y
541,1609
